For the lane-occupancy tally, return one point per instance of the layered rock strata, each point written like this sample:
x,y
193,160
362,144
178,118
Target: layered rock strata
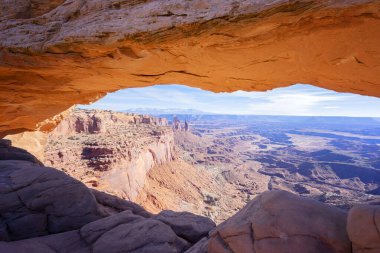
x,y
60,214
110,151
54,54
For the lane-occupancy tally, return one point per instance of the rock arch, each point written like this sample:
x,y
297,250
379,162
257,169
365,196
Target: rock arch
x,y
54,54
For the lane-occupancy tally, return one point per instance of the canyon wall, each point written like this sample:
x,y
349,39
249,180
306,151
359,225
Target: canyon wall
x,y
43,210
110,151
54,54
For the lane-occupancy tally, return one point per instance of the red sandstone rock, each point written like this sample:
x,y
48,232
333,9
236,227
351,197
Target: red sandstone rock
x,y
8,152
113,204
186,225
279,221
54,54
123,232
275,221
363,227
110,151
37,200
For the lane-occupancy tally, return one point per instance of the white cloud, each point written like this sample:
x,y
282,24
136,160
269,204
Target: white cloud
x,y
289,102
330,107
293,100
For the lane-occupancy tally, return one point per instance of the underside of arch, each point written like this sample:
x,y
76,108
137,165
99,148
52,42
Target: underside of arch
x,y
60,53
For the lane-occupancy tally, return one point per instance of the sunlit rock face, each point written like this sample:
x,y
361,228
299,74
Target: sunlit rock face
x,y
278,221
363,228
110,151
43,210
54,54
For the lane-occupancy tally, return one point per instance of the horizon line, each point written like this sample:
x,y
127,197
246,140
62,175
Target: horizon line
x,y
229,114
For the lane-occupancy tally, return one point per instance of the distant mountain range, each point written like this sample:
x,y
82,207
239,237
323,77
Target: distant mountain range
x,y
156,111
193,115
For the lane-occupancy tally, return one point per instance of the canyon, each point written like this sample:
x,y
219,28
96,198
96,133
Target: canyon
x,y
107,150
112,151
45,210
206,168
134,157
213,165
330,159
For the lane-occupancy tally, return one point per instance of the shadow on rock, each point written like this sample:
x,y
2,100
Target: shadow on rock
x,y
44,210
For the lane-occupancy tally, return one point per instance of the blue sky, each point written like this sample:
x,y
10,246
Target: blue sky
x,y
298,99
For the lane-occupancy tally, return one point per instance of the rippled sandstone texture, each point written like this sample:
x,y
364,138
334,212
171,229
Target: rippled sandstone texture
x,y
54,54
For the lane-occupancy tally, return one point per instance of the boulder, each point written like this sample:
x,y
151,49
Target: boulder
x,y
363,227
186,225
114,204
199,247
92,231
37,200
140,236
131,233
122,232
277,222
67,242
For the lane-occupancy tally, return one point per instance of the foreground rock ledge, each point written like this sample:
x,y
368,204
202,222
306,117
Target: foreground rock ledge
x,y
45,211
54,54
279,221
363,228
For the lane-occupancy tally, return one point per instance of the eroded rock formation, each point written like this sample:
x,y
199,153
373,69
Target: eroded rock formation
x,y
279,221
363,228
110,151
54,54
93,221
60,214
30,206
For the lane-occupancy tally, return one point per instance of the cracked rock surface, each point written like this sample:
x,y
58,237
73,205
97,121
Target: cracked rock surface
x,y
43,210
34,207
187,225
54,54
37,200
363,228
279,221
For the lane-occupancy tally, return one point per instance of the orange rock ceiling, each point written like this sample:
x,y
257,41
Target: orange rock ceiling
x,y
60,53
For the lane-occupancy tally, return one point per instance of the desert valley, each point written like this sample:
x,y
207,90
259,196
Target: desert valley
x,y
213,165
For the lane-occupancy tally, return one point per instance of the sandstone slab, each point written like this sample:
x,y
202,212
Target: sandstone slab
x,y
37,200
54,54
110,151
123,232
186,225
279,221
363,228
